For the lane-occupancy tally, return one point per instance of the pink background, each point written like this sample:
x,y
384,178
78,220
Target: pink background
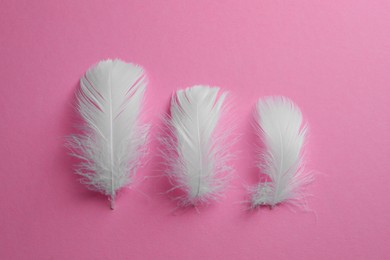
x,y
331,57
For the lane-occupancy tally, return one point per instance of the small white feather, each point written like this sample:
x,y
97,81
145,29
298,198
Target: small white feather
x,y
113,139
194,153
278,123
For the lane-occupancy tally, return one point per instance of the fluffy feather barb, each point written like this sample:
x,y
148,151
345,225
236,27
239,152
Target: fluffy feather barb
x,y
278,123
194,152
109,101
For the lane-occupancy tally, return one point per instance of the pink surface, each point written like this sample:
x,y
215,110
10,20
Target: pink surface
x,y
331,57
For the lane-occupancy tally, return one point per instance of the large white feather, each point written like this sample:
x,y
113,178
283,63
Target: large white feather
x,y
112,142
194,153
278,123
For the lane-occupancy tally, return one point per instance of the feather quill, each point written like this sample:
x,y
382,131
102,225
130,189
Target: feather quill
x,y
194,152
278,123
113,139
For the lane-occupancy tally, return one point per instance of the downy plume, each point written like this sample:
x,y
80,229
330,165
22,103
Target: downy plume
x,y
278,123
113,139
195,154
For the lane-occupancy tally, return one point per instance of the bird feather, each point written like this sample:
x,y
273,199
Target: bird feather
x,y
279,125
194,152
113,139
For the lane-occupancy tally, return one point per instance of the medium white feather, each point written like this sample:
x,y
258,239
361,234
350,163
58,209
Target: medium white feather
x,y
194,153
278,123
112,140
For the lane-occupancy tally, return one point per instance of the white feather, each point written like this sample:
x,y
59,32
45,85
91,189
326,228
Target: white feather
x,y
278,123
194,152
112,142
